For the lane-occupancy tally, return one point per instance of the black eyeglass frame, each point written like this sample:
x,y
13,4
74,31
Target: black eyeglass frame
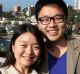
x,y
59,17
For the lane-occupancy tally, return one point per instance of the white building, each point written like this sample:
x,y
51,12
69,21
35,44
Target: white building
x,y
77,4
17,8
30,10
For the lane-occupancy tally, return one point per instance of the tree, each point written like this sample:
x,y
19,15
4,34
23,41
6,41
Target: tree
x,y
71,14
3,32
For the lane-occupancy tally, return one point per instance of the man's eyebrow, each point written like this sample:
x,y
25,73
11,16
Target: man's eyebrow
x,y
23,41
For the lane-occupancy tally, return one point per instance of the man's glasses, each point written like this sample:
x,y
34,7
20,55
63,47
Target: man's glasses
x,y
56,19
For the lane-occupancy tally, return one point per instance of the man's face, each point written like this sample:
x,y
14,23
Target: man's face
x,y
51,21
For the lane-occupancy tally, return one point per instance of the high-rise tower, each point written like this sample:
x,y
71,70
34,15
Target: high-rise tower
x,y
17,8
77,4
0,8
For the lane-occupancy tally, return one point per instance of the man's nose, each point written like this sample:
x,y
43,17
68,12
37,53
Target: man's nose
x,y
52,23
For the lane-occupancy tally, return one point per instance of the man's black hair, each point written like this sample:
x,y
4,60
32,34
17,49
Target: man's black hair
x,y
59,3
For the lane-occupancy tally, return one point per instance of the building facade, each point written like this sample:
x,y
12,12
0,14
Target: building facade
x,y
77,5
17,8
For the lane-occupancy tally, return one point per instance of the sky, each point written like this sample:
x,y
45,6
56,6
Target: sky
x,y
9,4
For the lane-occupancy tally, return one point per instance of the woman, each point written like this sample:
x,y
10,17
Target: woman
x,y
26,52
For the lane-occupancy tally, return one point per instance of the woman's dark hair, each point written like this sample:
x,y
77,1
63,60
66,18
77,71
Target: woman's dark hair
x,y
59,3
10,59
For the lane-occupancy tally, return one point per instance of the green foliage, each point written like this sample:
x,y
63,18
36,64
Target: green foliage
x,y
7,15
3,32
71,15
3,52
78,18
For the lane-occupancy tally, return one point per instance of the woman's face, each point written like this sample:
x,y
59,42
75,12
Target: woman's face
x,y
26,49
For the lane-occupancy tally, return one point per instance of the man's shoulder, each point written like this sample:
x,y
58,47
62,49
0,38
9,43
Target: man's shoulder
x,y
74,41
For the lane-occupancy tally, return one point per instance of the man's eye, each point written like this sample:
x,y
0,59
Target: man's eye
x,y
24,46
58,18
46,19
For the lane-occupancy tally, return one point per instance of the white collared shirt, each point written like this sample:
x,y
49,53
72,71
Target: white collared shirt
x,y
12,70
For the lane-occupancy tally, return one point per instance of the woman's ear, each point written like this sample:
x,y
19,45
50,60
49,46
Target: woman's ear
x,y
12,47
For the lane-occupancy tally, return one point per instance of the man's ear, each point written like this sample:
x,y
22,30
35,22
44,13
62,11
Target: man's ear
x,y
38,26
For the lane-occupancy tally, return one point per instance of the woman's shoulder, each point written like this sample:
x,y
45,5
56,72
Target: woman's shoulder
x,y
34,72
12,70
3,70
8,70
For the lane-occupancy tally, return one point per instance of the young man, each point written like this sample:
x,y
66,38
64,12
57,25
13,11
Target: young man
x,y
63,56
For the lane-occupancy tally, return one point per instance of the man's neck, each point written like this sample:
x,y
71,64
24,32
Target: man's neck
x,y
57,48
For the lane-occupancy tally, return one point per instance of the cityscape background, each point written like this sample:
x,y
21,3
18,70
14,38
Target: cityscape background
x,y
9,4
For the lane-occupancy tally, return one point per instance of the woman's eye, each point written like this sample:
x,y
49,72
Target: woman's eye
x,y
36,47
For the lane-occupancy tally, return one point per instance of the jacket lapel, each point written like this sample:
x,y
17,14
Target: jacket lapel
x,y
72,56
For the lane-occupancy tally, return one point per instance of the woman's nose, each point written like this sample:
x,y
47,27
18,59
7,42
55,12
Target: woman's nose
x,y
29,50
